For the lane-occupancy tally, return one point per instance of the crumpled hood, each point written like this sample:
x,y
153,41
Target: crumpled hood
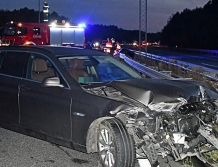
x,y
149,91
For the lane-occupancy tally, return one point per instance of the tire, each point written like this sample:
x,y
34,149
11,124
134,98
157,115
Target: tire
x,y
115,145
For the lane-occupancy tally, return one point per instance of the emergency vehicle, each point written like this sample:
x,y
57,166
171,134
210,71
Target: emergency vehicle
x,y
67,35
43,34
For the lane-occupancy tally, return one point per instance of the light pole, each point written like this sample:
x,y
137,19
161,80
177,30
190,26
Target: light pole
x,y
45,12
39,11
143,23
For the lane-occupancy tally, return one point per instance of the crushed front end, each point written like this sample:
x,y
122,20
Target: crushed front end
x,y
176,118
176,128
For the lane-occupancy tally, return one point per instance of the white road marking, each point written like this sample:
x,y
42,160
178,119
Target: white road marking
x,y
208,65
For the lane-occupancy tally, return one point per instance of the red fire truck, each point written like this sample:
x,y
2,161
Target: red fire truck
x,y
43,34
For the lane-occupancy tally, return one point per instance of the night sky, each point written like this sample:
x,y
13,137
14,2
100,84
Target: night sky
x,y
121,13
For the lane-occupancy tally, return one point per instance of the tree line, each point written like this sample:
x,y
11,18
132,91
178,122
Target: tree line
x,y
197,28
102,32
27,15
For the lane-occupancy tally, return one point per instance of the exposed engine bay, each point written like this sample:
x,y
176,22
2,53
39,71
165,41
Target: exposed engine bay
x,y
186,130
174,126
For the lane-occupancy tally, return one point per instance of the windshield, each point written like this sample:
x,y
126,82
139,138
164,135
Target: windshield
x,y
97,69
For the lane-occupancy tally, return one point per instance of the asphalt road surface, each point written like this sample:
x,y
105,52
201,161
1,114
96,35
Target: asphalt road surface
x,y
203,60
17,150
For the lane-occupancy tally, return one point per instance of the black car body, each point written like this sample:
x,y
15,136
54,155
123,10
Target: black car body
x,y
78,98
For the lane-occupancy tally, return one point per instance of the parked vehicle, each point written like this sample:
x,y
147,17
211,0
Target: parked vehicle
x,y
43,34
26,34
66,35
89,101
96,45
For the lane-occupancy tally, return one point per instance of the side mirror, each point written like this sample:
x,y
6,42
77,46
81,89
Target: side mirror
x,y
51,82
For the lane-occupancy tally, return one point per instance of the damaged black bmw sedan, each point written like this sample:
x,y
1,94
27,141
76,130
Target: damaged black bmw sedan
x,y
91,102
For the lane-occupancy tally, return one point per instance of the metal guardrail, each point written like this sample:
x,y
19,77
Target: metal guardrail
x,y
146,70
159,74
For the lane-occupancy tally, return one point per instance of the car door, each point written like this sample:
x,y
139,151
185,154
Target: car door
x,y
12,64
44,109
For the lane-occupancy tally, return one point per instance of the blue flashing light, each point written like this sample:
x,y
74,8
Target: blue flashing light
x,y
82,25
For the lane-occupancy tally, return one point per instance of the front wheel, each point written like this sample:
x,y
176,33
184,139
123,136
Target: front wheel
x,y
115,145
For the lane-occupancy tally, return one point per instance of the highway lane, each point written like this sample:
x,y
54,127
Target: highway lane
x,y
17,150
204,60
201,61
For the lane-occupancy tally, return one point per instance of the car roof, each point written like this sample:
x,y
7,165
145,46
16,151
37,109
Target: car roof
x,y
56,50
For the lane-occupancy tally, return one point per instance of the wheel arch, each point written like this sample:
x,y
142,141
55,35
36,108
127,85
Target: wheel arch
x,y
91,139
29,43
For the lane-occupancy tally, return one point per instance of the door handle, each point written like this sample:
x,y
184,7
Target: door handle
x,y
24,87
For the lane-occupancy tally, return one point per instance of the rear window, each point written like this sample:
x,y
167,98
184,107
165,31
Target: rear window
x,y
13,63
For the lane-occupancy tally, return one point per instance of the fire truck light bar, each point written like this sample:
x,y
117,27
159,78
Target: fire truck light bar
x,y
66,25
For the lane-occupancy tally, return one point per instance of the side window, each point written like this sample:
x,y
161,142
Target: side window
x,y
40,67
22,30
9,31
13,63
36,31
